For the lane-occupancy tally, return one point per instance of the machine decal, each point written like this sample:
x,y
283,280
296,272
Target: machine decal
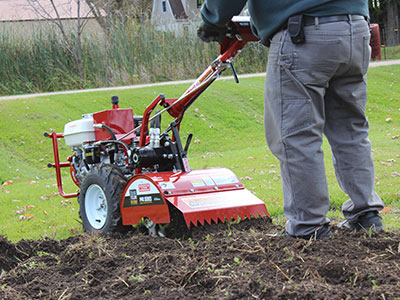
x,y
167,185
186,163
198,183
144,187
132,197
219,180
205,201
142,192
208,181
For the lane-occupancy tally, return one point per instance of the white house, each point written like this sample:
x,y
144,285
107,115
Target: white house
x,y
179,16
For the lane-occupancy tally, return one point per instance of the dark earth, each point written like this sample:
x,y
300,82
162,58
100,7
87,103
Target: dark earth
x,y
219,261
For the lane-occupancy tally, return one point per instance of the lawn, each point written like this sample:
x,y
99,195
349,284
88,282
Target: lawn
x,y
227,123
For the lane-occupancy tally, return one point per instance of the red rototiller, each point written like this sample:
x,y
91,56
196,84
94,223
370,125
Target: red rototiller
x,y
129,170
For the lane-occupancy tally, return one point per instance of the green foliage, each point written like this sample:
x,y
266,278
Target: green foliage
x,y
378,7
137,54
236,260
390,52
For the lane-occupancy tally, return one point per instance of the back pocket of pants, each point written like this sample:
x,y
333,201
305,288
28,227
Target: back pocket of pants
x,y
366,54
296,115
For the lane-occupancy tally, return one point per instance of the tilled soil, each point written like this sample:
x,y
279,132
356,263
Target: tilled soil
x,y
236,261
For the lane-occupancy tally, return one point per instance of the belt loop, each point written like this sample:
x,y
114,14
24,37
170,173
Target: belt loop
x,y
350,19
316,22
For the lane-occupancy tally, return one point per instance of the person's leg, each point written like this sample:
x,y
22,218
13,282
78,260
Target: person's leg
x,y
347,129
296,79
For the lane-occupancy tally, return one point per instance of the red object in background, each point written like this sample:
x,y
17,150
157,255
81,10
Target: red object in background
x,y
375,42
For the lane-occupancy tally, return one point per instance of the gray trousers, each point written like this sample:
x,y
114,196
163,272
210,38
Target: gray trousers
x,y
316,88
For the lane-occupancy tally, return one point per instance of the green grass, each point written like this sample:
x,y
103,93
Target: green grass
x,y
227,124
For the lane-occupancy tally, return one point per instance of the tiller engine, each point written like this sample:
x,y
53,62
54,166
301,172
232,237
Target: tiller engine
x,y
129,170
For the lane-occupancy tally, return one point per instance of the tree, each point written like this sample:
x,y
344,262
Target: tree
x,y
122,9
386,14
72,39
109,13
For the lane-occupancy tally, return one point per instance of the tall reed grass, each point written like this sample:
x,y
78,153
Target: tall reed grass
x,y
137,53
392,52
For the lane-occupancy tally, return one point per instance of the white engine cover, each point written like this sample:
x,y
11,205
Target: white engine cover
x,y
79,131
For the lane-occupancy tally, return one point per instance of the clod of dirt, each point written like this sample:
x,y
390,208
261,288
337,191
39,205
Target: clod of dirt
x,y
10,255
220,261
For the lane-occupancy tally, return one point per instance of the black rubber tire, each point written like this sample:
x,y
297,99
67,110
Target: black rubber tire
x,y
112,182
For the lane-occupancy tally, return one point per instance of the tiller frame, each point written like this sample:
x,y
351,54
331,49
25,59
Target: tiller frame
x,y
208,195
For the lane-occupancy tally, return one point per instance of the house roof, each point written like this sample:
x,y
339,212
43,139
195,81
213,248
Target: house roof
x,y
31,10
177,9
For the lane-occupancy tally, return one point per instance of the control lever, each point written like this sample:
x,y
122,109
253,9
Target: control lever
x,y
189,139
230,63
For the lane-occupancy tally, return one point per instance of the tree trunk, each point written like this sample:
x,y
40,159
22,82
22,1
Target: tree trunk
x,y
392,24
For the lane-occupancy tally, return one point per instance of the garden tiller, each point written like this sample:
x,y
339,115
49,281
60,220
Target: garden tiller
x,y
128,170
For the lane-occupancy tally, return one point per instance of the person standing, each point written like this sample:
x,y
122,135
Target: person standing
x,y
315,85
